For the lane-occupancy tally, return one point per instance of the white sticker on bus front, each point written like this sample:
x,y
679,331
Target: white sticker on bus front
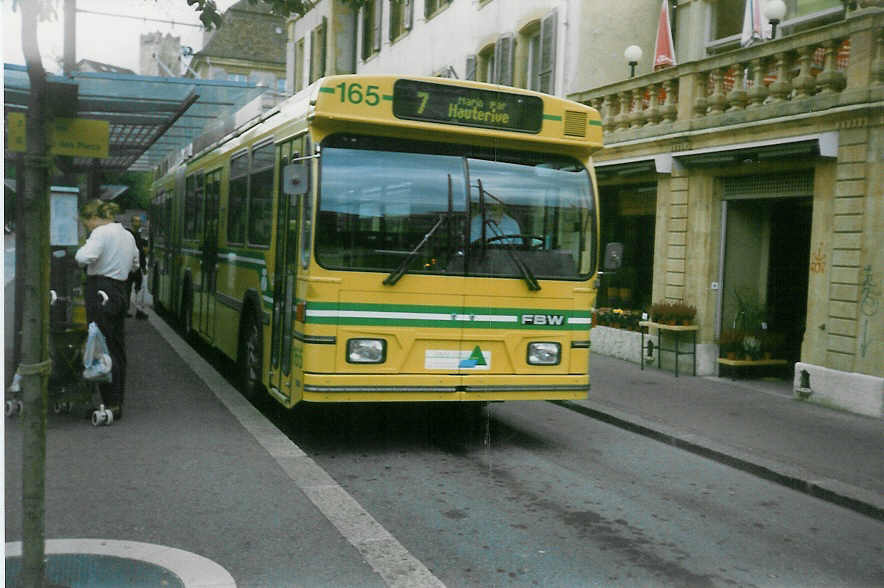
x,y
452,359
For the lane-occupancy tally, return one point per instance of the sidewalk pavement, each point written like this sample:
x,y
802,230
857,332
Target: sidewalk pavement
x,y
755,425
192,479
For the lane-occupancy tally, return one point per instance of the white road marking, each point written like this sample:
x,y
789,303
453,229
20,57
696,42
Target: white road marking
x,y
381,550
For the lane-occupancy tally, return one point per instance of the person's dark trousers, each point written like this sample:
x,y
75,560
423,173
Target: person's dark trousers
x,y
111,319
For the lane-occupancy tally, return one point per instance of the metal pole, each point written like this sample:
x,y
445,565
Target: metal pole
x,y
70,36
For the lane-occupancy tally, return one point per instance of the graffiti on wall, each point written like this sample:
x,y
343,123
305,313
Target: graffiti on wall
x,y
868,305
818,261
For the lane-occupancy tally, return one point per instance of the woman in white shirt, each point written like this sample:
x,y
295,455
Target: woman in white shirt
x,y
109,255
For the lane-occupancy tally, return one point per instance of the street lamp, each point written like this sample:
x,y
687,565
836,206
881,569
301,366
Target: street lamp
x,y
632,54
774,11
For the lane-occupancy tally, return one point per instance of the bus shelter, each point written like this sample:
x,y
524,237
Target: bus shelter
x,y
148,117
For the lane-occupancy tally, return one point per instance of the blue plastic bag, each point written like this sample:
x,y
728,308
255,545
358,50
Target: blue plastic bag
x,y
97,362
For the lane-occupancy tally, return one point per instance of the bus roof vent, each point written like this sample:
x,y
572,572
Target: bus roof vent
x,y
575,123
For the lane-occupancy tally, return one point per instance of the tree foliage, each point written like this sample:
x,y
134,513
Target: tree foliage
x,y
209,16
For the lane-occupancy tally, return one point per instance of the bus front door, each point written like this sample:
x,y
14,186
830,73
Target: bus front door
x,y
284,281
209,260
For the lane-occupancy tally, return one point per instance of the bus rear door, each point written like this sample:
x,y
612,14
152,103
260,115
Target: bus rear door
x,y
209,259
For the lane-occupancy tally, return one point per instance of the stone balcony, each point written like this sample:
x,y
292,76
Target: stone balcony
x,y
837,67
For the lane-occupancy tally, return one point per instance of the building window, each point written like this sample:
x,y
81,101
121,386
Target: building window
x,y
371,28
298,82
432,7
628,217
485,67
726,20
317,50
528,57
805,14
401,17
237,77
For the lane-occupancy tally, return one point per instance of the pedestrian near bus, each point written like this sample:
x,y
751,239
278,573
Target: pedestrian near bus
x,y
109,255
136,277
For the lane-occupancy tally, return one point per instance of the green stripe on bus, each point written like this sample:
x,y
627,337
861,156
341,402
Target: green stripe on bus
x,y
388,97
595,123
455,324
551,117
327,90
497,311
450,317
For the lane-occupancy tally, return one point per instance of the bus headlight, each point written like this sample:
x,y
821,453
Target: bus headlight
x,y
366,350
544,353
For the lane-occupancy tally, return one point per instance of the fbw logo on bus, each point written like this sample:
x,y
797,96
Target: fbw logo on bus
x,y
543,319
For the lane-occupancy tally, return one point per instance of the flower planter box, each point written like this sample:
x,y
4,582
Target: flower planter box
x,y
618,343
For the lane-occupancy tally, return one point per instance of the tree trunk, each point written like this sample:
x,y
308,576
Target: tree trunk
x,y
33,233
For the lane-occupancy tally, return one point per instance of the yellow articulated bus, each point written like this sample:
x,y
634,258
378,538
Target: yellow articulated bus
x,y
390,239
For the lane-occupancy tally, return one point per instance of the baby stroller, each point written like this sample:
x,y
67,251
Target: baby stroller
x,y
68,331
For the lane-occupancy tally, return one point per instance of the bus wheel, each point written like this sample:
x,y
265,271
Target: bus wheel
x,y
250,357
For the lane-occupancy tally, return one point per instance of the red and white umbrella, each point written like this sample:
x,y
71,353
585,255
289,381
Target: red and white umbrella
x,y
664,49
755,26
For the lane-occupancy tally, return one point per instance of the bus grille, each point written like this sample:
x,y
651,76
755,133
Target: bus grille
x,y
575,123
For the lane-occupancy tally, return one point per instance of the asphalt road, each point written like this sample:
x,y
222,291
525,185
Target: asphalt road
x,y
536,494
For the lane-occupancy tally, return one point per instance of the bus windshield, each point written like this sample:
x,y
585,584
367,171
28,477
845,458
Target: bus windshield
x,y
400,207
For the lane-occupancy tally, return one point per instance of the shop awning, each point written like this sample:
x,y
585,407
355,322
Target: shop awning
x,y
150,117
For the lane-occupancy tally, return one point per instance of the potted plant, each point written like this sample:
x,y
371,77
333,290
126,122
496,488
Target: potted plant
x,y
750,315
730,341
752,347
682,313
660,312
604,316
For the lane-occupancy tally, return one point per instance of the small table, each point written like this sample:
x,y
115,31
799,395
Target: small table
x,y
677,330
736,365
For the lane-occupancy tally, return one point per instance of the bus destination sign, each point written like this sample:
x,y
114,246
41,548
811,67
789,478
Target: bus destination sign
x,y
454,105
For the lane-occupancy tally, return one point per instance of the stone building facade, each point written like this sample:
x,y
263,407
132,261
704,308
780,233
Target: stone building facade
x,y
746,180
249,47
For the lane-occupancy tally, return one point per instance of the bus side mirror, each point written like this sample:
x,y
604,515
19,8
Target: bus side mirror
x,y
613,256
295,179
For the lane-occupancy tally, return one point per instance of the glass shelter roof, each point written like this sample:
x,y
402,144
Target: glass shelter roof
x,y
150,117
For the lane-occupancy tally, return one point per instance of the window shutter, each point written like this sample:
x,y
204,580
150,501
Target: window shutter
x,y
503,60
312,69
291,58
393,21
378,16
547,69
408,17
471,68
321,39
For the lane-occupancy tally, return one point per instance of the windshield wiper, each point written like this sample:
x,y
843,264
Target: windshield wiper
x,y
517,260
527,275
403,267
